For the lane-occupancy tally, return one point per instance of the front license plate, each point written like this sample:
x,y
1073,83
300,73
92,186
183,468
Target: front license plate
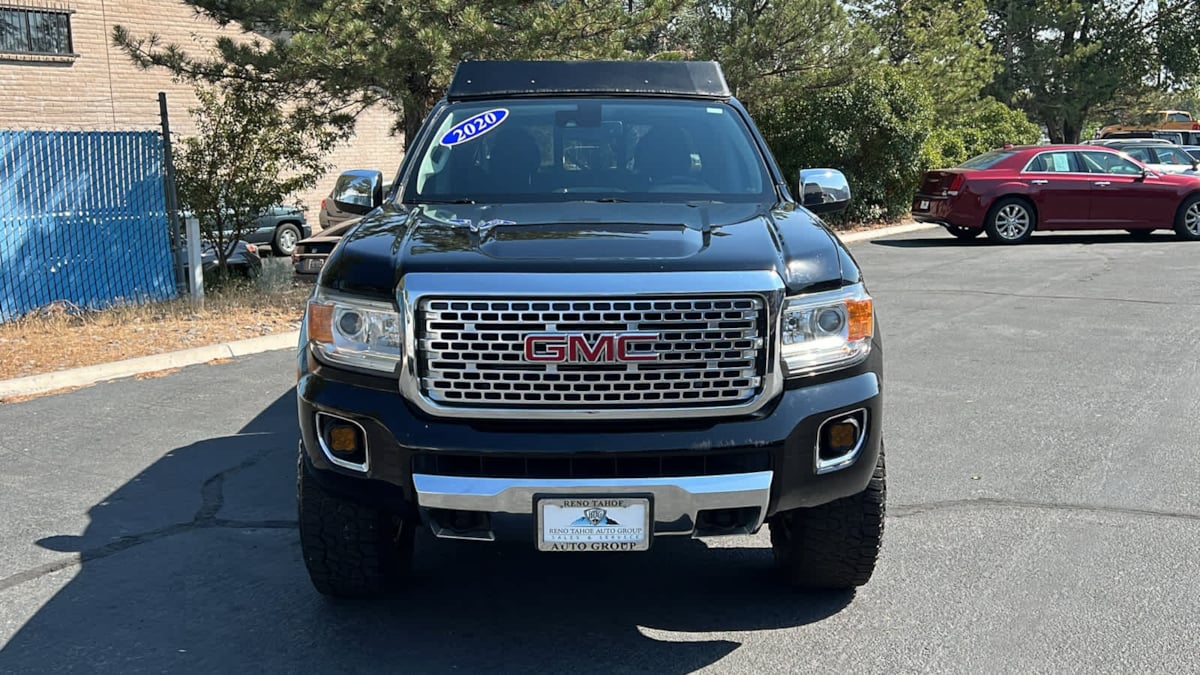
x,y
593,524
924,205
312,264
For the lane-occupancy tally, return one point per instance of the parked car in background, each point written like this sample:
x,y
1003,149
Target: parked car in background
x,y
243,259
310,253
277,229
1162,156
1175,126
1012,192
331,214
280,228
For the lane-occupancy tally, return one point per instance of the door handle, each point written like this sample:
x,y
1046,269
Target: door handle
x,y
1039,181
1102,183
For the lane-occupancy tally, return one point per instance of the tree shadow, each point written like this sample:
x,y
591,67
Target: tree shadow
x,y
226,590
1041,239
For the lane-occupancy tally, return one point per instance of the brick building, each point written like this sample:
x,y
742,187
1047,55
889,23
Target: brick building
x,y
58,70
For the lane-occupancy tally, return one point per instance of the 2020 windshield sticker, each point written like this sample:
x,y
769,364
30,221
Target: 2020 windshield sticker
x,y
475,126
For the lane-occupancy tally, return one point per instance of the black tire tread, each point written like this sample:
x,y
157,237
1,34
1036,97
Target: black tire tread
x,y
835,545
350,549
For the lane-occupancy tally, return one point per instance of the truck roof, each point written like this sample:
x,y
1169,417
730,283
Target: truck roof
x,y
508,79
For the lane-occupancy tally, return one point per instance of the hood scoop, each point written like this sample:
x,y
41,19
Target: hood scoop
x,y
591,241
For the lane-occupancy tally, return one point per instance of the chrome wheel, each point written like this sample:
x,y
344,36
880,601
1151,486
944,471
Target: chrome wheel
x,y
1191,219
1187,219
1012,221
285,240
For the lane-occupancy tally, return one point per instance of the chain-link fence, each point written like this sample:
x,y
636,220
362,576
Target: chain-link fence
x,y
83,219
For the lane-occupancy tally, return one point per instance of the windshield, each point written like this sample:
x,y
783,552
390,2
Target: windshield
x,y
985,161
589,149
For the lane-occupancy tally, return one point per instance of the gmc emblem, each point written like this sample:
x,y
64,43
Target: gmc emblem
x,y
575,348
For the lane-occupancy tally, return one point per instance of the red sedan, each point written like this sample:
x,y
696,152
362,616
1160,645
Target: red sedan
x,y
1012,192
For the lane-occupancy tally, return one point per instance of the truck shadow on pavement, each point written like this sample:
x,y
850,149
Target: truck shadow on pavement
x,y
227,591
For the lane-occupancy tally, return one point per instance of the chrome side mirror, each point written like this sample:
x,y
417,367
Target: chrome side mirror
x,y
824,190
359,191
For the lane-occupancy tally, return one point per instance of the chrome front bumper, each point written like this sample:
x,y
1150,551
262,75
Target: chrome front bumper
x,y
676,502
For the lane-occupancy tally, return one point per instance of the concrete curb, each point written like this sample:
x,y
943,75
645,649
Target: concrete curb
x,y
885,232
78,377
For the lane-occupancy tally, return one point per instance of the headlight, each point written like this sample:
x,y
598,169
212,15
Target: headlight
x,y
826,331
355,332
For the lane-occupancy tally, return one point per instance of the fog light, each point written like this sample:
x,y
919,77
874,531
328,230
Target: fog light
x,y
839,440
343,438
842,437
343,441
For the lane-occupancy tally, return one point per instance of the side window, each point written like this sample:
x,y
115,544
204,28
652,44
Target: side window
x,y
1054,162
1110,162
1171,156
1140,154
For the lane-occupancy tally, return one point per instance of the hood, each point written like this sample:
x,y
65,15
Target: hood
x,y
587,237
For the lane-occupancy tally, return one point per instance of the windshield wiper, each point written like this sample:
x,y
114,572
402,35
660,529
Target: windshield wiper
x,y
463,200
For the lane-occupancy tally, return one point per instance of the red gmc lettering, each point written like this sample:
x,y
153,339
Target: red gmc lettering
x,y
575,347
554,350
578,348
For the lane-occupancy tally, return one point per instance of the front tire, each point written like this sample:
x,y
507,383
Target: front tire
x,y
1011,221
835,545
350,549
1187,220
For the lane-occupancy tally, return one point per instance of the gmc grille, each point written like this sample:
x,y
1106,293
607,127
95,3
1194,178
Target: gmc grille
x,y
712,352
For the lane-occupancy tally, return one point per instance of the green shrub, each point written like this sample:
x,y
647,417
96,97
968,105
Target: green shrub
x,y
873,129
989,125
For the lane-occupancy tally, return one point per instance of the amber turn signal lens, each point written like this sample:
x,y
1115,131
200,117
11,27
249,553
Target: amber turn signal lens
x,y
320,322
343,439
842,436
861,319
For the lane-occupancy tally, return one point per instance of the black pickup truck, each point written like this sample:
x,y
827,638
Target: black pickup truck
x,y
589,314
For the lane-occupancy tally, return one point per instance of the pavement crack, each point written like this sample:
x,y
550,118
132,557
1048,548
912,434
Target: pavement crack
x,y
907,510
212,498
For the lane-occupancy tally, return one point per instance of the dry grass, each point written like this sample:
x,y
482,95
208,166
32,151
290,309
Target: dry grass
x,y
59,337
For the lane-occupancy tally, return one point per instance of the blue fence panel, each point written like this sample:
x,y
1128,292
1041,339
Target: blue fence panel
x,y
83,219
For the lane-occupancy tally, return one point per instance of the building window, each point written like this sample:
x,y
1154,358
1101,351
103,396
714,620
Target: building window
x,y
35,31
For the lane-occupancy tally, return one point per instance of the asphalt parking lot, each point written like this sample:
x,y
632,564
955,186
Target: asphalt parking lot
x,y
1043,410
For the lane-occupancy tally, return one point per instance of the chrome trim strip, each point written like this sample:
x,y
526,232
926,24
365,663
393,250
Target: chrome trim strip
x,y
366,464
842,461
418,285
674,498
